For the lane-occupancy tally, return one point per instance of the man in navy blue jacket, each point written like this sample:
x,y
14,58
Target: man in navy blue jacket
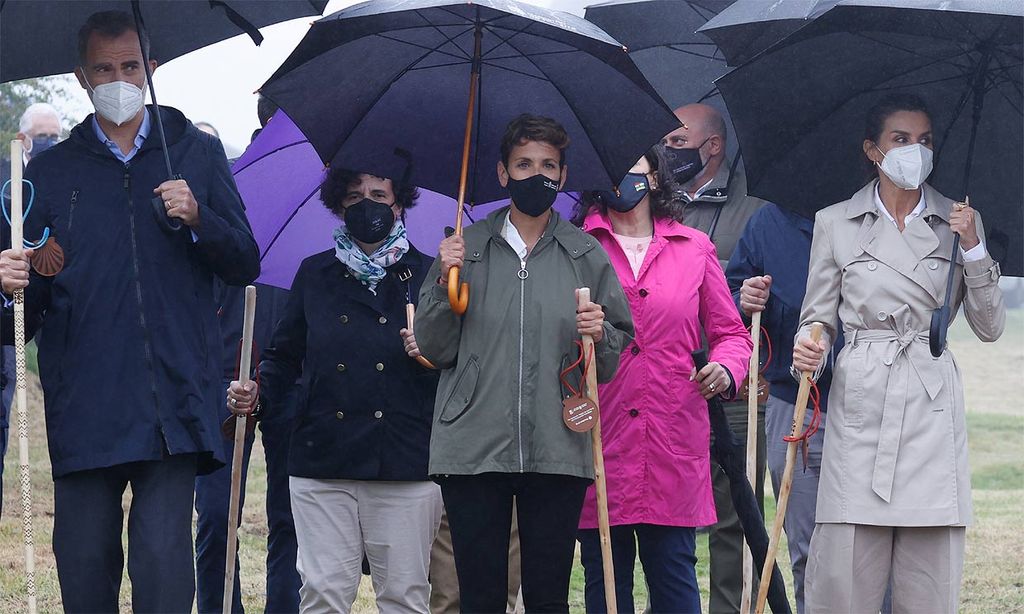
x,y
130,356
768,273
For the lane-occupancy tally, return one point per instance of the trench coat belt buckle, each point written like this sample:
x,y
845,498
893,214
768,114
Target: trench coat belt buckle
x,y
896,389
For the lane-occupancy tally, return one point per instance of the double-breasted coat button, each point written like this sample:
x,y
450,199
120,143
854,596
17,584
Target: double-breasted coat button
x,y
378,414
341,367
340,415
872,266
382,320
643,292
881,315
343,319
933,265
380,366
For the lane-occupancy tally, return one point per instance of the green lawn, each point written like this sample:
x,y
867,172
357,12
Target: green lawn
x,y
994,569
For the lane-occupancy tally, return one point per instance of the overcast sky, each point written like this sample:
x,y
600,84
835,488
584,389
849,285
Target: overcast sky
x,y
216,84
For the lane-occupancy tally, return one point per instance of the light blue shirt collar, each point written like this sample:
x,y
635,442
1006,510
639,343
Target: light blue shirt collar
x,y
140,138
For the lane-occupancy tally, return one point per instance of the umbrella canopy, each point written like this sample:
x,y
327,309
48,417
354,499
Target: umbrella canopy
x,y
396,74
662,39
748,27
279,178
799,108
39,38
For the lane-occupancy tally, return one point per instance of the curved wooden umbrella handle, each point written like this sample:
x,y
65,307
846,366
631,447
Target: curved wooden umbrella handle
x,y
410,315
458,297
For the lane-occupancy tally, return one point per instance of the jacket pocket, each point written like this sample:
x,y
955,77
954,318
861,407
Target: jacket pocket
x,y
462,391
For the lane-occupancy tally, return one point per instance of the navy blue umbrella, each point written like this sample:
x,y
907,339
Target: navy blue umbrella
x,y
731,457
748,27
799,108
441,79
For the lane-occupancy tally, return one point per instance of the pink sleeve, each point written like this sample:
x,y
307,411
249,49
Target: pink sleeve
x,y
727,337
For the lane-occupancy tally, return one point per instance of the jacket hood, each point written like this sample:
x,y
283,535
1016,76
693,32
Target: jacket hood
x,y
175,124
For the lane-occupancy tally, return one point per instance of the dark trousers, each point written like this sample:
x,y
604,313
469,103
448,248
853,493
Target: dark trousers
x,y
212,498
7,384
479,511
668,559
87,536
725,540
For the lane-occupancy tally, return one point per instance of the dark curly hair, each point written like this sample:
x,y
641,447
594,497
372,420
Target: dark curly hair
x,y
337,181
662,204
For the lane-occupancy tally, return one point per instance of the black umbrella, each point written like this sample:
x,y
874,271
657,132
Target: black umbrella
x,y
662,38
398,74
799,109
748,27
38,38
731,457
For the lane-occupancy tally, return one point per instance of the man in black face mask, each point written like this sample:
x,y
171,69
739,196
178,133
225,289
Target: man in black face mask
x,y
498,433
713,192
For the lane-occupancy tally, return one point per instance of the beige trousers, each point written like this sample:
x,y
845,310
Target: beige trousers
x,y
336,521
849,565
444,583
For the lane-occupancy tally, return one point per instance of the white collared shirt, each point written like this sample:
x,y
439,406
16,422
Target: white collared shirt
x,y
971,255
510,233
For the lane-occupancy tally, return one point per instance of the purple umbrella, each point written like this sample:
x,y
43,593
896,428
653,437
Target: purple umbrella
x,y
279,178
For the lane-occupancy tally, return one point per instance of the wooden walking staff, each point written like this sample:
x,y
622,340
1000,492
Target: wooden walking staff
x,y
458,295
20,390
244,365
603,526
752,394
787,477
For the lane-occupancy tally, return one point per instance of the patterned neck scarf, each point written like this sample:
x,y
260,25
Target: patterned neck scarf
x,y
370,269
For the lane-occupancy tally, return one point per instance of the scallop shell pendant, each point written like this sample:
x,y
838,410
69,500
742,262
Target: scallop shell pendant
x,y
48,260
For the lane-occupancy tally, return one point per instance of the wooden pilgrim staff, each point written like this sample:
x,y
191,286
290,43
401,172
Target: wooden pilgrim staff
x,y
20,394
752,395
244,365
787,477
603,526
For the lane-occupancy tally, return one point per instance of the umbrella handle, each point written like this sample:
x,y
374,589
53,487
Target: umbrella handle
x,y
458,296
799,409
410,315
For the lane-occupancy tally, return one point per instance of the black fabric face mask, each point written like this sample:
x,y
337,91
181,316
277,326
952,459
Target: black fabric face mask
x,y
369,221
534,195
41,144
684,163
632,189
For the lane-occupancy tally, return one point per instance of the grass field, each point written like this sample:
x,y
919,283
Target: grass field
x,y
994,569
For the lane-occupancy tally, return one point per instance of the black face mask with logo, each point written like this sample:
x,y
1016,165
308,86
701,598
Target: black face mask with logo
x,y
684,163
534,195
632,189
369,221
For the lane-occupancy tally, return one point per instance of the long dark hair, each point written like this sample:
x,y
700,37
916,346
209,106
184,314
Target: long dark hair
x,y
662,204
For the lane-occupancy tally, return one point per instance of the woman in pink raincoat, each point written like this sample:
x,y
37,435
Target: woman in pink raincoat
x,y
654,418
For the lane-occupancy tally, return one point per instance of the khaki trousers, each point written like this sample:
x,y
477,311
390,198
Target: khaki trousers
x,y
849,566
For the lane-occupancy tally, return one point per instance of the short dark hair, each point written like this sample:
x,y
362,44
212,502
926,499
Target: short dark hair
x,y
527,128
108,24
662,203
891,103
265,109
336,184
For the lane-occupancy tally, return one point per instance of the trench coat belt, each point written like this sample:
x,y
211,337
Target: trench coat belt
x,y
901,358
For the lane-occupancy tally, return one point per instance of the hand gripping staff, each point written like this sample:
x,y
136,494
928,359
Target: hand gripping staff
x,y
752,394
244,366
787,476
603,526
20,393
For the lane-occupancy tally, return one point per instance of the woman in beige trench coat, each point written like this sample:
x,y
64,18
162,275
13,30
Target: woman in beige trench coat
x,y
894,496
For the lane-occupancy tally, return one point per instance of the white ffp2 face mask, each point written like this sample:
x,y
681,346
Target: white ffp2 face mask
x,y
908,166
118,101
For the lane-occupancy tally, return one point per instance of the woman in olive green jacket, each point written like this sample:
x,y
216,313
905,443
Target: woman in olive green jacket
x,y
498,431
